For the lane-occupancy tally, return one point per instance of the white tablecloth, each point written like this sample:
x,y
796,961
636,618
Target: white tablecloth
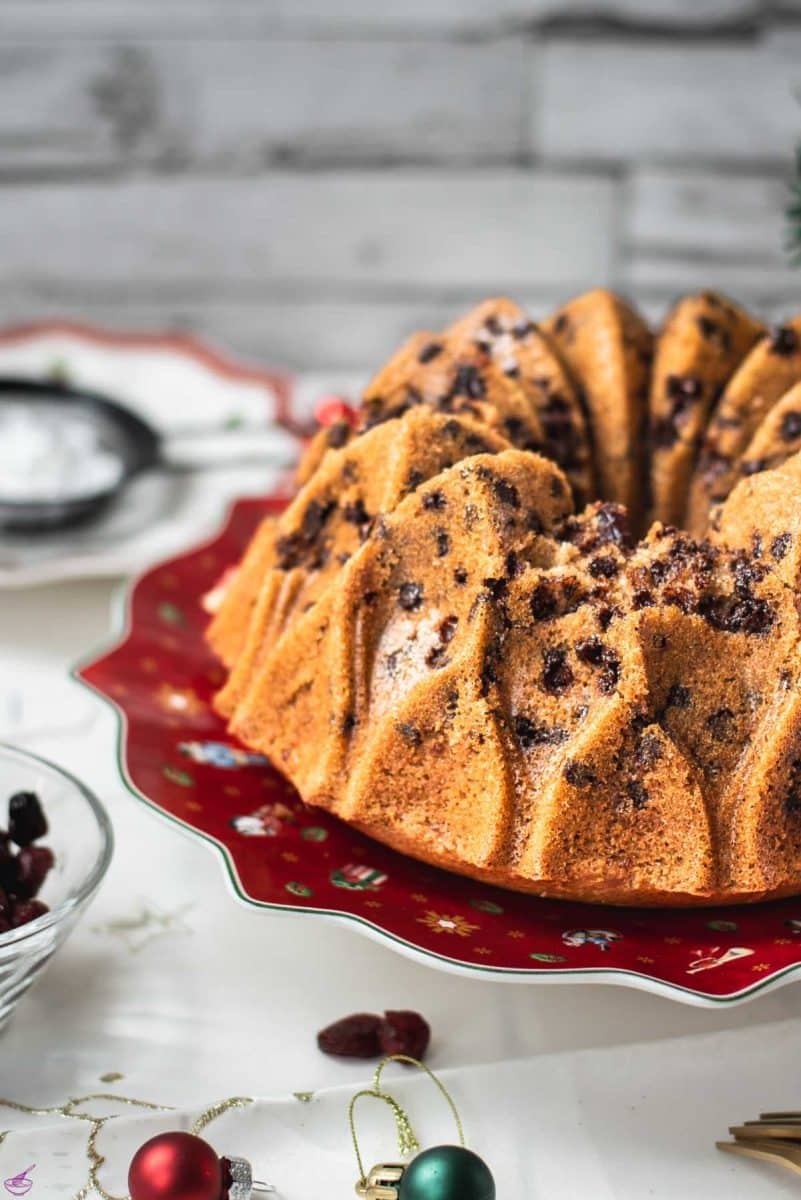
x,y
189,998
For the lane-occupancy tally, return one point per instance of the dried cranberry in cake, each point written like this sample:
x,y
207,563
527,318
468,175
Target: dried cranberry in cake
x,y
556,596
556,676
529,733
26,819
597,654
604,566
599,525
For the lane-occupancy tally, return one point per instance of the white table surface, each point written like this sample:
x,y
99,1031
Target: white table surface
x,y
204,998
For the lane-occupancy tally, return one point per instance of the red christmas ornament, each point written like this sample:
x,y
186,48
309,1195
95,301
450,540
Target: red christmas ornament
x,y
175,1166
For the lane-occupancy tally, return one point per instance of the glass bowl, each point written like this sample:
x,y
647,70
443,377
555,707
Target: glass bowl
x,y
82,841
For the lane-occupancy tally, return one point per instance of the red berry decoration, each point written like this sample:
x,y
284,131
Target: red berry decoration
x,y
331,409
175,1166
404,1033
352,1037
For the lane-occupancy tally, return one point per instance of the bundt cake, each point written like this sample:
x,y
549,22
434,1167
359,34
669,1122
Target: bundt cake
x,y
534,616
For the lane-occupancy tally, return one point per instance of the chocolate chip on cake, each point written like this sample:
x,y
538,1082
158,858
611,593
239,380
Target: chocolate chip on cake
x,y
720,724
506,492
780,545
578,774
790,428
529,733
409,733
557,676
433,501
410,596
784,341
678,696
468,382
429,352
604,566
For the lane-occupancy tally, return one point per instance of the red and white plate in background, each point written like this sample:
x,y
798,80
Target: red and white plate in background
x,y
176,755
176,383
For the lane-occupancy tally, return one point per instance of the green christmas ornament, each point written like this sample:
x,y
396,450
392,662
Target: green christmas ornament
x,y
447,1173
441,1173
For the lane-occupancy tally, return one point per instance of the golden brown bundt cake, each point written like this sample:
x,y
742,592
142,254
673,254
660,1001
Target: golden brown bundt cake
x,y
525,353
763,516
328,521
435,645
608,348
777,438
703,340
453,378
772,367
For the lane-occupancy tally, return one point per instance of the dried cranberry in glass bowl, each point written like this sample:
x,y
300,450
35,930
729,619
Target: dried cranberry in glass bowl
x,y
23,865
55,848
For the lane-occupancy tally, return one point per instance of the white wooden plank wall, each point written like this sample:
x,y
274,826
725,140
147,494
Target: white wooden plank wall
x,y
307,180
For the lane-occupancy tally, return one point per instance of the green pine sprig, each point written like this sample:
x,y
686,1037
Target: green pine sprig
x,y
794,214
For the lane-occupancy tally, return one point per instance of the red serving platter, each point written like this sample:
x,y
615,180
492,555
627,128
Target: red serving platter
x,y
177,756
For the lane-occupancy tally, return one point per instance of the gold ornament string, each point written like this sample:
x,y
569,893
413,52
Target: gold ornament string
x,y
72,1110
407,1139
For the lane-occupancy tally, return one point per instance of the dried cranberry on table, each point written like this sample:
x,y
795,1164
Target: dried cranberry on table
x,y
366,1035
404,1033
352,1037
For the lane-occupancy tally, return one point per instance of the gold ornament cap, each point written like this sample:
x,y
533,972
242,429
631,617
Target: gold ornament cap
x,y
381,1183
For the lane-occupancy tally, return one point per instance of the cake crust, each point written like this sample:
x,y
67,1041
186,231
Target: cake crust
x,y
438,644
